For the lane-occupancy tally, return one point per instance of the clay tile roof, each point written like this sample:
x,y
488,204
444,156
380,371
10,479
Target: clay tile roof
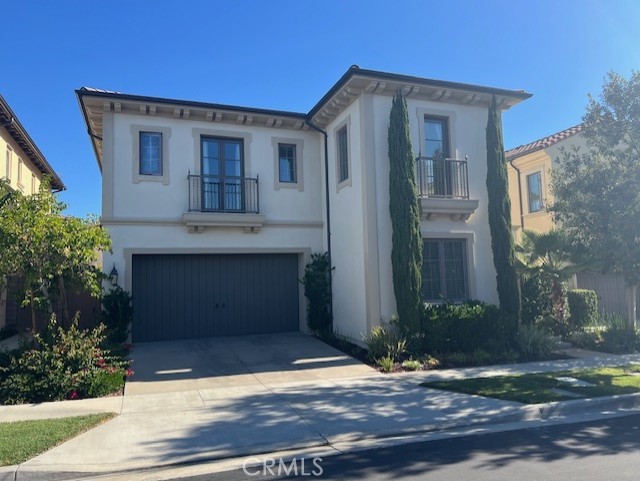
x,y
542,143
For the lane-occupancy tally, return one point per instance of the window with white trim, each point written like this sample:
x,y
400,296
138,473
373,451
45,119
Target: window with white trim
x,y
8,163
20,163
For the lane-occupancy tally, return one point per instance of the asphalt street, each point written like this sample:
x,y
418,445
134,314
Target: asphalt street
x,y
592,451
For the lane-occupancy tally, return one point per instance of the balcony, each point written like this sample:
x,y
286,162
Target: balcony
x,y
443,186
223,201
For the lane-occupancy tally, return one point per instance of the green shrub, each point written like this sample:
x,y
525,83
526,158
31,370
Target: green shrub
x,y
386,340
465,328
317,290
618,337
386,364
412,365
536,298
584,339
535,343
583,306
116,315
63,364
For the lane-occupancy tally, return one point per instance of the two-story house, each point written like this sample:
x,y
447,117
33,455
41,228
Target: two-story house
x,y
24,166
530,168
214,209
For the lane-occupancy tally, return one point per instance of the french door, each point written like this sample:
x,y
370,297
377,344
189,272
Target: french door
x,y
222,168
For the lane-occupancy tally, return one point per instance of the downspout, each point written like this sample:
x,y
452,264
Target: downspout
x,y
328,208
519,193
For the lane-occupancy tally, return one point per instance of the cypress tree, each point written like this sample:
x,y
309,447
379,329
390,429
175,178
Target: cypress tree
x,y
406,253
500,216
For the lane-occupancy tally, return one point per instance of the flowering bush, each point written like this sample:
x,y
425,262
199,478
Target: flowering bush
x,y
63,364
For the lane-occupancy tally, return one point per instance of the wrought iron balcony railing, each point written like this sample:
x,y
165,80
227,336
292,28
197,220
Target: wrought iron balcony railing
x,y
443,178
215,193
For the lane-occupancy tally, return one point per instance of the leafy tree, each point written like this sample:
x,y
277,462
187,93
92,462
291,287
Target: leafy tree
x,y
47,250
406,253
597,194
500,216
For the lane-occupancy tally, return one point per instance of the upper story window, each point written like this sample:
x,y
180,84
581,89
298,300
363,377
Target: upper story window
x,y
436,136
150,153
33,183
534,189
444,270
342,140
287,163
20,164
8,163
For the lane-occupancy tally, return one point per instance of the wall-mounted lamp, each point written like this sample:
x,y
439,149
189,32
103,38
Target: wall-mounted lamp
x,y
113,275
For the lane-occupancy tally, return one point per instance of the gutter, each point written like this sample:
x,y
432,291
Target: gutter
x,y
519,192
328,209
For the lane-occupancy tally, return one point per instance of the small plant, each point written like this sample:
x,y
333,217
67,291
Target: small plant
x,y
431,362
386,340
116,315
583,306
618,337
66,364
386,364
316,282
412,365
535,343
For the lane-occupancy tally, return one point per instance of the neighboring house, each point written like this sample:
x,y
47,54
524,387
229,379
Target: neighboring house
x,y
22,163
214,210
530,167
529,172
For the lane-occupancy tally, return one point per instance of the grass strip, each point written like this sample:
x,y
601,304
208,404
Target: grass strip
x,y
537,388
23,440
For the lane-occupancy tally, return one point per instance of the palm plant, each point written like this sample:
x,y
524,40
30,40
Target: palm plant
x,y
548,254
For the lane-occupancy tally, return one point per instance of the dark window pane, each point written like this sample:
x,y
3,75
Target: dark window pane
x,y
534,188
443,270
343,154
150,153
436,138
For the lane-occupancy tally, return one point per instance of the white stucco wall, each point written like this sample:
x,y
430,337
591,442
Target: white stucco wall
x,y
156,200
467,130
146,217
349,306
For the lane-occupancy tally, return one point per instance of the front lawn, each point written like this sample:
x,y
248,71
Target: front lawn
x,y
539,388
23,440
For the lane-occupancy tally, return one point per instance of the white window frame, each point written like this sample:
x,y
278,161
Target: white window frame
x,y
137,177
299,146
8,161
20,171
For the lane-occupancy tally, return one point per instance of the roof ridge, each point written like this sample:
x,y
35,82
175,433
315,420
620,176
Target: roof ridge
x,y
543,142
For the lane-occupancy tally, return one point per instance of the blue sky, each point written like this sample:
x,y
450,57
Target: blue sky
x,y
287,54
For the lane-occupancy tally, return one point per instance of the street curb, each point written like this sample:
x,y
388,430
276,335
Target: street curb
x,y
528,413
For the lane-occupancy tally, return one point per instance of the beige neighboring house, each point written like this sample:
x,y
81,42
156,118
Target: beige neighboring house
x,y
22,163
529,172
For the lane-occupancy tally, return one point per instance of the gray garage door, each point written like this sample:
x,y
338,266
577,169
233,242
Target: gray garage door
x,y
191,296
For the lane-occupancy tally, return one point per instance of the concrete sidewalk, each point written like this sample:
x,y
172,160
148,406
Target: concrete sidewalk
x,y
166,429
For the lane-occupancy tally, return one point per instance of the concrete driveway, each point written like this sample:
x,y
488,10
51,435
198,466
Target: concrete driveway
x,y
237,362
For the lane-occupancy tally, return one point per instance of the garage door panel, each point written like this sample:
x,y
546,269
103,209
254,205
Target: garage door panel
x,y
192,296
